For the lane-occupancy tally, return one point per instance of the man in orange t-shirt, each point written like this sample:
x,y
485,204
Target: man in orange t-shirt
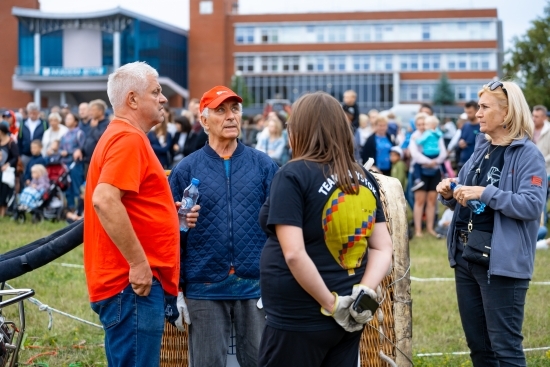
x,y
131,230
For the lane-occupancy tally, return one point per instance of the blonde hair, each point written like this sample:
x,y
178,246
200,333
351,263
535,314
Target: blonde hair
x,y
278,126
380,119
431,120
363,119
40,169
518,120
420,116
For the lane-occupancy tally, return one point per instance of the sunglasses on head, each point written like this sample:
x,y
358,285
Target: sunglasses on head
x,y
494,85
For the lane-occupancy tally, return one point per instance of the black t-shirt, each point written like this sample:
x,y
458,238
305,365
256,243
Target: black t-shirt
x,y
336,227
489,175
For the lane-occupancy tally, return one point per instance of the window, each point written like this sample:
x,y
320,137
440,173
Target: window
x,y
413,92
404,61
291,63
337,63
244,35
378,33
426,92
310,63
426,61
361,33
425,32
473,92
244,63
269,35
206,7
485,61
462,61
460,92
320,63
270,63
336,34
51,49
26,46
413,61
436,64
361,62
320,34
452,60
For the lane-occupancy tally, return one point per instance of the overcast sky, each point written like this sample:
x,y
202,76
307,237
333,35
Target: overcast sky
x,y
515,15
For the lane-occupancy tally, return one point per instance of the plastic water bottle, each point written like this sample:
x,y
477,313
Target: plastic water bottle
x,y
189,199
477,206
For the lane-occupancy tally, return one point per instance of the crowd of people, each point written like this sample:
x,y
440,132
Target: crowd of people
x,y
288,231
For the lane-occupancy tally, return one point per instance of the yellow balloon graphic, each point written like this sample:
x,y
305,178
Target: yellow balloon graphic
x,y
348,220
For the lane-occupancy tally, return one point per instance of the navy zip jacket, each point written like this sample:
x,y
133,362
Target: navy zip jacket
x,y
227,232
24,138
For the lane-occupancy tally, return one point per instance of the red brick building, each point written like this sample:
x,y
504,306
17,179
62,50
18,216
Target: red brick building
x,y
387,57
8,56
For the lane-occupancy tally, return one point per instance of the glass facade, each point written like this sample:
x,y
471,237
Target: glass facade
x,y
51,49
373,90
107,48
369,31
26,46
164,50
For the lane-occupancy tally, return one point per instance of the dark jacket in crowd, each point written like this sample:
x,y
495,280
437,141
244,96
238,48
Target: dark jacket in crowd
x,y
35,159
195,141
162,151
352,110
369,149
24,137
92,137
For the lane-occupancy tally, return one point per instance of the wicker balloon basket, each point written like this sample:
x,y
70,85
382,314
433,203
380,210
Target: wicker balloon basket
x,y
386,340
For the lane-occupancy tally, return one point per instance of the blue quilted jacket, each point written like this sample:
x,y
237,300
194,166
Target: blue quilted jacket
x,y
227,231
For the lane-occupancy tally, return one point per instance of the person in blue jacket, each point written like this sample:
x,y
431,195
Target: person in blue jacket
x,y
220,275
506,172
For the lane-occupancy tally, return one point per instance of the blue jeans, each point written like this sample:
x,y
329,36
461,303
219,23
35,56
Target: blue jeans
x,y
211,326
491,314
133,327
77,179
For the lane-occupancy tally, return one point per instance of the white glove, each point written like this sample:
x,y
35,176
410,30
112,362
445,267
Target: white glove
x,y
184,313
341,314
366,315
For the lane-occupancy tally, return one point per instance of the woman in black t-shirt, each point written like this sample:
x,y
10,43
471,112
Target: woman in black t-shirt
x,y
323,220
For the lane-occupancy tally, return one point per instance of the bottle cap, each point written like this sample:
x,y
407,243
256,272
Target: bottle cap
x,y
195,181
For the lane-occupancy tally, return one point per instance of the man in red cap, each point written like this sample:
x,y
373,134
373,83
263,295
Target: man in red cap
x,y
220,256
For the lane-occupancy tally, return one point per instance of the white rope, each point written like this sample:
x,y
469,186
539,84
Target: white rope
x,y
453,279
464,353
50,310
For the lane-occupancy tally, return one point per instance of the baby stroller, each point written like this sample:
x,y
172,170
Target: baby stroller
x,y
52,203
18,262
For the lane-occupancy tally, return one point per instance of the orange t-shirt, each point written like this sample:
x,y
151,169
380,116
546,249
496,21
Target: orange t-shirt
x,y
124,158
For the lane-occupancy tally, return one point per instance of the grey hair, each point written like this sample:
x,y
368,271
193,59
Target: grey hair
x,y
127,78
205,113
31,106
55,115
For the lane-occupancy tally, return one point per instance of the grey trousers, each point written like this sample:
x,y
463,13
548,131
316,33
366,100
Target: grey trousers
x,y
211,326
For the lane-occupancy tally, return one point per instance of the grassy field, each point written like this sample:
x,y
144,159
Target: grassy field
x,y
436,324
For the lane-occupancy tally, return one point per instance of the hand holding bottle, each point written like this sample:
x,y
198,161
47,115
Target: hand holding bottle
x,y
469,196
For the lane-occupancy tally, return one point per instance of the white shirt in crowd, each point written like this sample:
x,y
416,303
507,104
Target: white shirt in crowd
x,y
32,125
51,136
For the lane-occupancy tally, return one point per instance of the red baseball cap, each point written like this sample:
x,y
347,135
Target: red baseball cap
x,y
216,96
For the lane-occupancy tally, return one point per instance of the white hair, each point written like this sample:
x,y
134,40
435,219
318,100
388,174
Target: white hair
x,y
205,113
128,78
56,116
31,106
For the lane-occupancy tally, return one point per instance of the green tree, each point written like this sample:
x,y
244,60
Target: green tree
x,y
444,93
529,60
239,86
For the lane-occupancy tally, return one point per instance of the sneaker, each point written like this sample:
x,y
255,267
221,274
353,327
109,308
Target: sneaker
x,y
418,183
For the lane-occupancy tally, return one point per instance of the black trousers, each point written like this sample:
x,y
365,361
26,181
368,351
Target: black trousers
x,y
491,314
325,348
